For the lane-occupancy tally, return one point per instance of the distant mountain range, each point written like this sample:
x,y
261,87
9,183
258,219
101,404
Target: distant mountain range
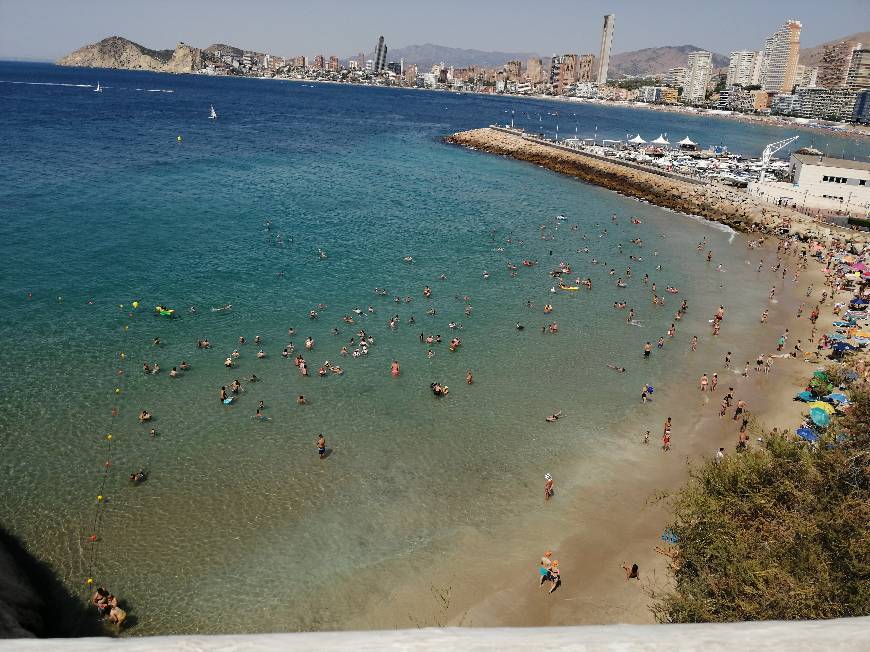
x,y
119,52
656,60
427,55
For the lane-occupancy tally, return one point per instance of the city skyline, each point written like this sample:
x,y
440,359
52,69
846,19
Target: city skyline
x,y
41,29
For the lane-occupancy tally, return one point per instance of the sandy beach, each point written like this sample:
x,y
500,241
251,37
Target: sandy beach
x,y
593,533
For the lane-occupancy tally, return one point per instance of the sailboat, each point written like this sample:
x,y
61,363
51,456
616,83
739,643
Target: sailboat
x,y
212,115
98,89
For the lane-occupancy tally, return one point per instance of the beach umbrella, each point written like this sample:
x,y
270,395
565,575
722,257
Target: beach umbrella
x,y
838,397
804,396
820,405
859,302
859,267
806,433
820,417
821,375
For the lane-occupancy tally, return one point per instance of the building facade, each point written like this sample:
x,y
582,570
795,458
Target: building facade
x,y
780,58
563,73
858,77
834,66
606,45
676,77
832,178
586,68
861,112
825,103
380,55
698,70
534,71
743,68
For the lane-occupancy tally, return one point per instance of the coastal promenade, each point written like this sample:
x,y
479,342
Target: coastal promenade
x,y
715,202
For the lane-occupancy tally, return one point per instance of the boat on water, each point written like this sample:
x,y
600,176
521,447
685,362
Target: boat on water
x,y
98,89
212,115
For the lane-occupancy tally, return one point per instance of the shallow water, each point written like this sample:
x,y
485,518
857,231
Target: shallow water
x,y
101,203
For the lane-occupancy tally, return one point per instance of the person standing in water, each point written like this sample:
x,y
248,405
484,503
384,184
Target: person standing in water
x,y
321,446
394,368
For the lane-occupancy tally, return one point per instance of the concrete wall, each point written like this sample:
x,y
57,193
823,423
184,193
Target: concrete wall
x,y
843,635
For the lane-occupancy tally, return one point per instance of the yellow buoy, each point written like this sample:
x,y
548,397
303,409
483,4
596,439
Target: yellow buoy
x,y
109,436
179,138
126,328
135,304
122,355
117,390
99,499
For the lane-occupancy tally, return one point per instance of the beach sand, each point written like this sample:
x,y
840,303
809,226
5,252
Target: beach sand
x,y
621,519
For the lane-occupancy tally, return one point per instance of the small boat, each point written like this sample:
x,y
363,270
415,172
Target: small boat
x,y
212,115
98,89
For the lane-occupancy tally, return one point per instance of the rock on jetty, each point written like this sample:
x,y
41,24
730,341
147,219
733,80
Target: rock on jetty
x,y
739,210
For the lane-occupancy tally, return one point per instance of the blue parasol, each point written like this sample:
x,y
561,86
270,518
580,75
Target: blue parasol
x,y
837,397
804,396
806,433
820,417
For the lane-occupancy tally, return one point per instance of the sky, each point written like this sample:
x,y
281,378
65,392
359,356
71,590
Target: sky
x,y
48,29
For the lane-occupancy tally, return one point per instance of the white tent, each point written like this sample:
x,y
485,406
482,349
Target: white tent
x,y
686,142
637,140
661,140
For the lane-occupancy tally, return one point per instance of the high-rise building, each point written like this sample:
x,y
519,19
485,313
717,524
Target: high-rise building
x,y
513,70
563,72
319,62
585,67
534,69
806,76
834,66
698,70
334,63
781,51
676,77
380,55
741,68
859,71
606,44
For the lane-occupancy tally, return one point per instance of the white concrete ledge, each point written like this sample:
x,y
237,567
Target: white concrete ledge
x,y
847,634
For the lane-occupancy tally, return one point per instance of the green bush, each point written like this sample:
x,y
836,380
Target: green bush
x,y
777,532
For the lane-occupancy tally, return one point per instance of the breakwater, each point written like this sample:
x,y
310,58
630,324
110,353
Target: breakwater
x,y
716,202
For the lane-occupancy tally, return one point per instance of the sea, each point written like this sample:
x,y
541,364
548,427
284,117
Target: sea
x,y
306,197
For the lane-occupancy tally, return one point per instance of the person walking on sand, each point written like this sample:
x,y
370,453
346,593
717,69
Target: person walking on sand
x,y
740,409
703,383
630,571
555,576
713,382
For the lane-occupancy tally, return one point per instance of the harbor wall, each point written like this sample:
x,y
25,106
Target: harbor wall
x,y
738,209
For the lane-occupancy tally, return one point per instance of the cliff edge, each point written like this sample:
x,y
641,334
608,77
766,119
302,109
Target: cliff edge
x,y
118,52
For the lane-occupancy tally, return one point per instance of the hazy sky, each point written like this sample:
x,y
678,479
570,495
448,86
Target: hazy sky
x,y
47,29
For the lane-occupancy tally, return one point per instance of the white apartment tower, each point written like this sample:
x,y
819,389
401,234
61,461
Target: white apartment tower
x,y
606,45
781,51
743,68
380,55
698,70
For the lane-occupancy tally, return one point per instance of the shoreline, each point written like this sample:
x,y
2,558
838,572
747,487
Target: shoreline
x,y
617,518
740,211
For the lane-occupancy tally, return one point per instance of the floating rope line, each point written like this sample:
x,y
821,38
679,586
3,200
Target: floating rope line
x,y
107,441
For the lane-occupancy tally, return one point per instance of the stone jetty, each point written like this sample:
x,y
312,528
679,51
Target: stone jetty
x,y
713,201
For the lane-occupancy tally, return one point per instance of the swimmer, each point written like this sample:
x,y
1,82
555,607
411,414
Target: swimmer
x,y
468,377
300,400
394,369
616,368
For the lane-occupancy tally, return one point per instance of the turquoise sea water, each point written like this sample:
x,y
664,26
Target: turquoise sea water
x,y
100,205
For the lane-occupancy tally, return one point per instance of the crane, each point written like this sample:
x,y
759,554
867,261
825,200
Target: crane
x,y
769,151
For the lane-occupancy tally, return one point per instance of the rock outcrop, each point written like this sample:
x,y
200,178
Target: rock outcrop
x,y
118,52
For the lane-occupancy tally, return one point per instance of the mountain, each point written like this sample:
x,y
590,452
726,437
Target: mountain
x,y
813,56
656,60
427,55
118,52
